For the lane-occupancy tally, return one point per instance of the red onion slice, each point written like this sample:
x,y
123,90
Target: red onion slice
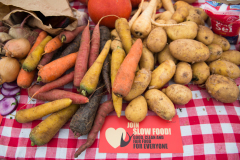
x,y
10,93
7,105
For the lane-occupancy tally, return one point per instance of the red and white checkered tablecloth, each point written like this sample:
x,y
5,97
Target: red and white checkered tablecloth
x,y
209,129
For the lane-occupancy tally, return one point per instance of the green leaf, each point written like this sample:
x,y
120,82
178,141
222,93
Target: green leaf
x,y
18,93
13,104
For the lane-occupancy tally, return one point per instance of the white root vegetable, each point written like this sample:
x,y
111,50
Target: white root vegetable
x,y
142,25
17,48
168,5
9,69
145,5
136,15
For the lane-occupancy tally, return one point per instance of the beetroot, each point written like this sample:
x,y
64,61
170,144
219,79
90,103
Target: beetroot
x,y
22,31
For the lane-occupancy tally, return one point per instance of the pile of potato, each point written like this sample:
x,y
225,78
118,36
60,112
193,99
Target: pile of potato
x,y
186,53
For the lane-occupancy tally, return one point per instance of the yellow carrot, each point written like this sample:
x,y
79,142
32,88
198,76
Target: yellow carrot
x,y
30,114
35,56
46,130
124,33
91,78
118,56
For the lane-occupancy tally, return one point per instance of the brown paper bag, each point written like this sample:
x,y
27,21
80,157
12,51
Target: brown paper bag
x,y
45,14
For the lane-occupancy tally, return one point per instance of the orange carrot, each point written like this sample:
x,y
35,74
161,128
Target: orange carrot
x,y
126,73
53,45
25,79
95,45
82,57
68,36
41,37
56,68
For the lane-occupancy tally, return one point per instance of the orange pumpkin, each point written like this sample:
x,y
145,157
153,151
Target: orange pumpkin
x,y
99,8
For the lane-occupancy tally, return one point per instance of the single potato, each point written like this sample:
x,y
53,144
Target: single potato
x,y
162,74
159,103
178,94
187,1
183,74
179,4
231,56
147,59
195,17
180,14
223,42
222,88
166,15
140,84
157,39
189,50
165,55
188,30
215,52
200,72
225,68
201,12
116,43
205,35
137,109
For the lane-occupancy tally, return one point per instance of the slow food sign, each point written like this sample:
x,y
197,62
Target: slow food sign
x,y
152,135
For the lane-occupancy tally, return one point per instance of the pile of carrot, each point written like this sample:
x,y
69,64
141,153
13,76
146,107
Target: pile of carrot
x,y
85,61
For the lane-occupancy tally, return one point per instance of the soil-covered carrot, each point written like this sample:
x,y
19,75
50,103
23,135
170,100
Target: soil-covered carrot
x,y
52,45
126,73
68,36
73,46
91,78
35,56
46,59
106,73
82,121
95,45
124,33
57,68
105,35
82,57
30,114
55,94
102,112
57,83
45,131
118,56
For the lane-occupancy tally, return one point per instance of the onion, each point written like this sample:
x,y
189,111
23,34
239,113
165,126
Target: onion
x,y
17,48
9,69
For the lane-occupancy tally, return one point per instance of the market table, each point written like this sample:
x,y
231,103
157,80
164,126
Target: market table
x,y
209,130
